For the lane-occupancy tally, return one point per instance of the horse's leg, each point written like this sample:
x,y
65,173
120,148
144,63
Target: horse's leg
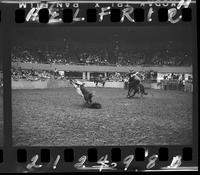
x,y
129,92
135,91
141,93
140,90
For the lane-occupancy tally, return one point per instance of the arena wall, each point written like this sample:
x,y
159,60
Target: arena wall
x,y
48,84
58,83
24,84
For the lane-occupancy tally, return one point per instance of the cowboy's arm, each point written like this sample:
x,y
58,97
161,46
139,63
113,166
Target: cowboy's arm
x,y
77,84
74,83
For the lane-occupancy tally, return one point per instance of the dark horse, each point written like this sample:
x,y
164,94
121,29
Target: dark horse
x,y
135,85
100,80
81,90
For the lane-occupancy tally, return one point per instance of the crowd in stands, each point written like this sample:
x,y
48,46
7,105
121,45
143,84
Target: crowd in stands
x,y
30,74
100,57
33,75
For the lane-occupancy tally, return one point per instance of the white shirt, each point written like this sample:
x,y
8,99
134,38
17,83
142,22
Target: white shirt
x,y
78,90
137,77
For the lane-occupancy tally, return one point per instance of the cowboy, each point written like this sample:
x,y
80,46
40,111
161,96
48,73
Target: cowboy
x,y
137,77
77,84
134,81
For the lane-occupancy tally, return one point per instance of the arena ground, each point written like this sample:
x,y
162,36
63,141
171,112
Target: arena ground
x,y
56,117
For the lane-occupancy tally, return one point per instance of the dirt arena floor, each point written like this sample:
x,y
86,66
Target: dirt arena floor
x,y
56,117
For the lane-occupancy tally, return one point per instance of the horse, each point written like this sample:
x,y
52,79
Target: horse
x,y
135,85
82,91
100,80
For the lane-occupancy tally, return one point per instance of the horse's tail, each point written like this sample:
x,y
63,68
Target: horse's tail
x,y
142,89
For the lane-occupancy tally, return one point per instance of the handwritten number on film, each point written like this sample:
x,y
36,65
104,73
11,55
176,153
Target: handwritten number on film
x,y
103,162
81,162
127,161
152,161
34,160
33,163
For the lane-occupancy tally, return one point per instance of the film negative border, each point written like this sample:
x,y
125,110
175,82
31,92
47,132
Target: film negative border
x,y
137,159
36,159
121,12
91,15
133,159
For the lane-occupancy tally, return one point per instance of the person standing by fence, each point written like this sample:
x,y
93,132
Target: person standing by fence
x,y
165,83
55,73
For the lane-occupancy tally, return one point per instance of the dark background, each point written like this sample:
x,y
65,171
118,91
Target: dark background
x,y
138,38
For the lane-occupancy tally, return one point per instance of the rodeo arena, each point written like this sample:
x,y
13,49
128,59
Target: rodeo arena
x,y
80,94
55,100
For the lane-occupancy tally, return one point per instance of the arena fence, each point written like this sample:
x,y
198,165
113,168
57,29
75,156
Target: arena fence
x,y
176,85
53,83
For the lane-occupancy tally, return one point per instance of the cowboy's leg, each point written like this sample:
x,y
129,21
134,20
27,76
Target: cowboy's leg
x,y
135,91
131,92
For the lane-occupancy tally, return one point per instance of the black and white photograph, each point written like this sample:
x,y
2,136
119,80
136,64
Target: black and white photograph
x,y
102,86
